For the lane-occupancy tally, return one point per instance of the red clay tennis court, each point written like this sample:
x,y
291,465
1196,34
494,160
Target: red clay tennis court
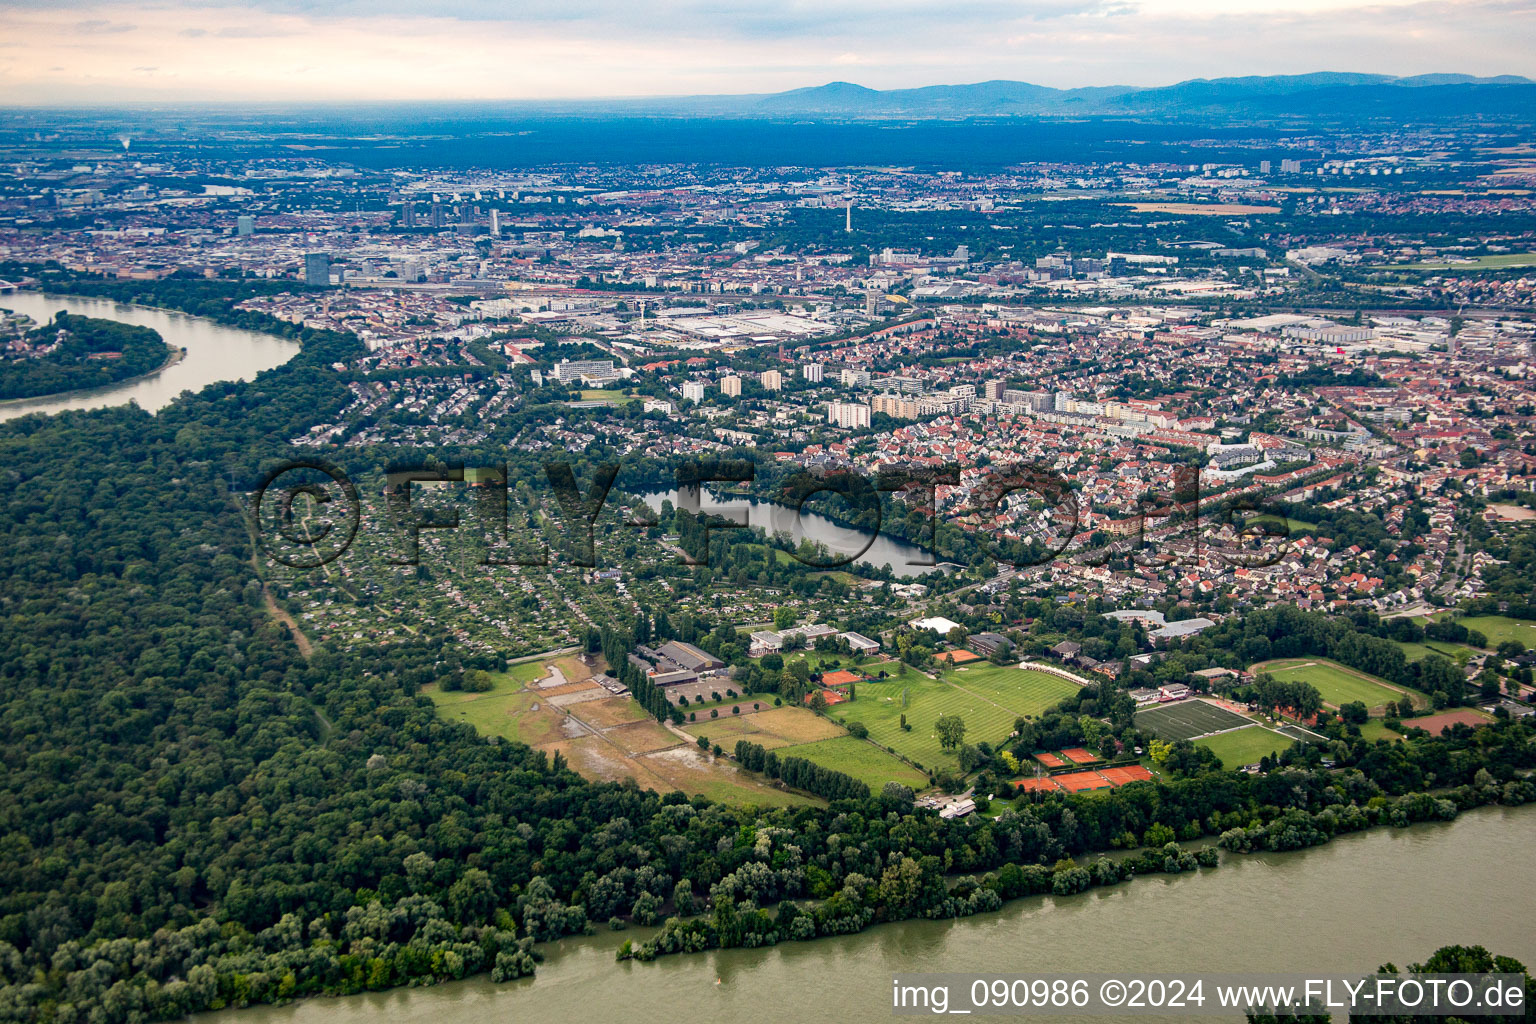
x,y
1050,760
1076,782
1077,755
1126,773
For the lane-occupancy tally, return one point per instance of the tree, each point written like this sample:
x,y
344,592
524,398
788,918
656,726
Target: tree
x,y
951,730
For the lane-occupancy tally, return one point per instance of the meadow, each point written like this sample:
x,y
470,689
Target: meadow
x,y
859,759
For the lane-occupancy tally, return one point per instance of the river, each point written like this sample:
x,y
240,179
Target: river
x,y
1352,905
905,559
213,353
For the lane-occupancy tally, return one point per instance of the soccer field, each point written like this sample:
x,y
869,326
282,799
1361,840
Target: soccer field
x,y
1337,684
1246,746
1186,719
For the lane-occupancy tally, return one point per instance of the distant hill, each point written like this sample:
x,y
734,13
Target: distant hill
x,y
1320,93
1260,94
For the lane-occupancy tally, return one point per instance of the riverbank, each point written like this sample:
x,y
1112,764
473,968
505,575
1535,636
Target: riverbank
x,y
204,352
174,356
1342,906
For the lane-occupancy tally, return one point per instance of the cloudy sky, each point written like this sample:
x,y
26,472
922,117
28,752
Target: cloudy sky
x,y
67,51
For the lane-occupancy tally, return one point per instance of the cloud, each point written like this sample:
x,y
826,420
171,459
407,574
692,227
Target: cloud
x,y
551,49
100,26
250,32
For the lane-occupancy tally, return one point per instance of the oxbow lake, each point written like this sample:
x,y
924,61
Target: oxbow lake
x,y
905,560
213,353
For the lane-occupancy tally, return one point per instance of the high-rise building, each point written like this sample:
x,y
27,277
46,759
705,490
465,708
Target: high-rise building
x,y
995,389
496,223
851,415
693,391
568,370
1264,166
773,380
895,405
811,372
853,378
407,215
317,269
1290,166
245,225
438,216
730,385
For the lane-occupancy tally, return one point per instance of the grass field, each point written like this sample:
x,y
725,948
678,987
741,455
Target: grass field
x,y
1418,652
1337,684
1186,719
599,394
860,760
780,727
676,768
1246,746
1022,691
1500,261
987,697
1291,525
1374,730
504,712
1499,628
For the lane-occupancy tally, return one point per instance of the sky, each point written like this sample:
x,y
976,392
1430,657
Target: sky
x,y
73,52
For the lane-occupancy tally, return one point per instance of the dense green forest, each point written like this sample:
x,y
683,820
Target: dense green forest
x,y
1445,960
90,353
196,816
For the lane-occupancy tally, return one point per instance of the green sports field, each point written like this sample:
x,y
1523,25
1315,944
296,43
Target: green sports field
x,y
1245,746
988,697
860,759
1337,684
1186,719
1022,691
1499,628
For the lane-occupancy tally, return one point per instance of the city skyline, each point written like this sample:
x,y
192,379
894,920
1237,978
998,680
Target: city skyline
x,y
84,53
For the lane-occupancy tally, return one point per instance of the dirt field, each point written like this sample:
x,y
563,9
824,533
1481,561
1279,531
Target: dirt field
x,y
775,727
1432,724
609,711
608,738
643,737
